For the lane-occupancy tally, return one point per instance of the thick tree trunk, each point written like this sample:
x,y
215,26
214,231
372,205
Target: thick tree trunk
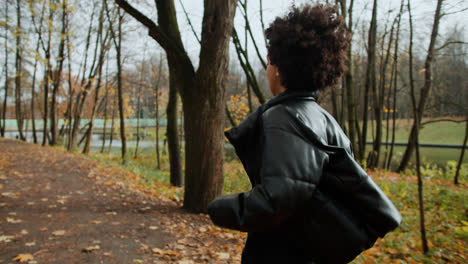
x,y
426,88
202,94
204,131
18,62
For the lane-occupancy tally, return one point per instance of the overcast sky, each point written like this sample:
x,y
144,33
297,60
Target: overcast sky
x,y
423,13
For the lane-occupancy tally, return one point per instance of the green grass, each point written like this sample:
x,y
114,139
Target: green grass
x,y
436,133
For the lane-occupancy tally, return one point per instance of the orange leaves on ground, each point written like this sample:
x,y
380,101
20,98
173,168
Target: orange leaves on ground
x,y
23,258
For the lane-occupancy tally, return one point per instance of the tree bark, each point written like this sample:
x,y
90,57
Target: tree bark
x,y
18,66
5,98
425,89
425,247
395,85
47,77
379,99
203,93
370,83
176,177
103,42
156,90
57,75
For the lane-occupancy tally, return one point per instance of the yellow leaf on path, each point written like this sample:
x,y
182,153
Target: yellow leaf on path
x,y
6,238
23,258
223,255
91,248
30,244
58,233
13,221
164,252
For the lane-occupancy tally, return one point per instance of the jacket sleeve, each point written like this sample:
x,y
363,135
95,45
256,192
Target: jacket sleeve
x,y
290,171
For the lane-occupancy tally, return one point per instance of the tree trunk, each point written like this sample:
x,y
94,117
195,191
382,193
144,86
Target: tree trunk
x,y
371,83
46,78
425,89
138,115
202,93
379,99
103,44
156,90
112,127
106,98
395,84
204,131
176,178
118,48
18,62
460,160
4,110
57,75
425,247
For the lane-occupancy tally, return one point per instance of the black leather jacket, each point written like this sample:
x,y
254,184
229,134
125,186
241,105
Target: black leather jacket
x,y
310,201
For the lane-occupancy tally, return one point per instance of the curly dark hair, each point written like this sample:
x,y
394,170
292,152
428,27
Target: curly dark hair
x,y
309,46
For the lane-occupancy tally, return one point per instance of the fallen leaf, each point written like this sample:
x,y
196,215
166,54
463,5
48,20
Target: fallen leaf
x,y
23,258
13,221
30,244
11,195
6,239
202,229
111,213
96,222
44,229
1,186
164,252
3,177
90,249
153,228
24,232
58,233
185,262
223,255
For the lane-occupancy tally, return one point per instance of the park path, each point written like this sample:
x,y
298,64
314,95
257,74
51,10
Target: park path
x,y
57,207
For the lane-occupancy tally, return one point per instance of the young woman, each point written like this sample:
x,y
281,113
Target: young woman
x,y
310,201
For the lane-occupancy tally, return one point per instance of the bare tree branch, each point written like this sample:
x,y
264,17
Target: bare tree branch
x,y
451,43
153,30
189,22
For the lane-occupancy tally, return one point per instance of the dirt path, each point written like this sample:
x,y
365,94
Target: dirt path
x,y
62,208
